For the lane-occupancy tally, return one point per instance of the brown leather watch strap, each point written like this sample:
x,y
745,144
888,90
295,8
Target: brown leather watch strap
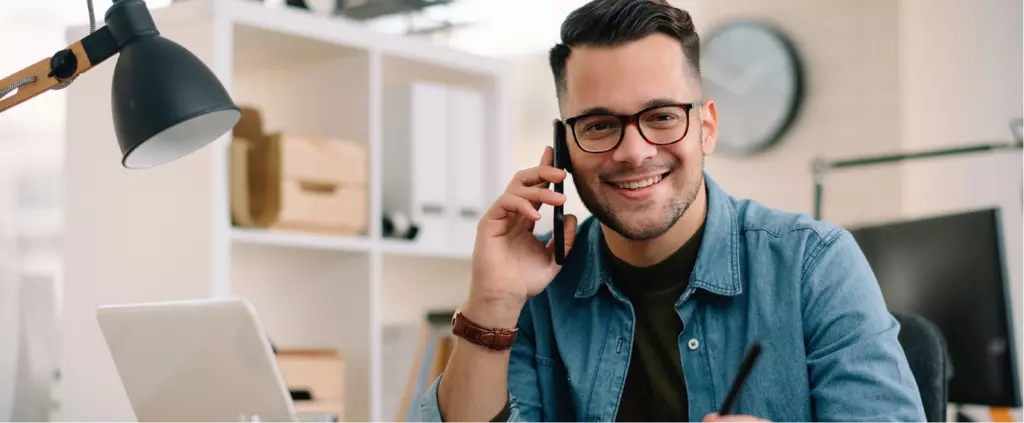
x,y
495,339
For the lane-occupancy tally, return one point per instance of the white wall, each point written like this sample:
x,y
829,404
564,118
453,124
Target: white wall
x,y
850,107
28,134
113,215
8,305
30,142
960,83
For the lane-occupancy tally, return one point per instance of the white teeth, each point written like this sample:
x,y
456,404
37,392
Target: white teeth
x,y
639,184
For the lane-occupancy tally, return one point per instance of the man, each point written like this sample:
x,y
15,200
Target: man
x,y
668,284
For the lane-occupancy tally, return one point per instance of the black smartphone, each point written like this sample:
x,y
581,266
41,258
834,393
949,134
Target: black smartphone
x,y
561,162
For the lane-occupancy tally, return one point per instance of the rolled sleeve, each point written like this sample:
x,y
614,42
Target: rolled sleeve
x,y
524,397
430,410
858,370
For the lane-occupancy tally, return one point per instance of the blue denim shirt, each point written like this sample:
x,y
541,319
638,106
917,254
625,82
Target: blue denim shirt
x,y
799,286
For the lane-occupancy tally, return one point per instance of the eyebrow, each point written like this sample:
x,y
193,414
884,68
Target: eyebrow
x,y
651,103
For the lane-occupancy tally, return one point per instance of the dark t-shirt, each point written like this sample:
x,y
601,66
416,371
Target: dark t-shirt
x,y
655,387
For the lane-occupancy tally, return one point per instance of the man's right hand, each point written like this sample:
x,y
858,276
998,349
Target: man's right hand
x,y
510,264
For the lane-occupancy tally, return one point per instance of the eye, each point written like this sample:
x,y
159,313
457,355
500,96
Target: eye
x,y
597,126
663,117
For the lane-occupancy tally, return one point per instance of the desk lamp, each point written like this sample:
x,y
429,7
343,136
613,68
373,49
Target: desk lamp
x,y
820,165
165,102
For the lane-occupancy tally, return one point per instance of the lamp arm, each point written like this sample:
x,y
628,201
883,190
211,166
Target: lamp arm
x,y
820,165
64,66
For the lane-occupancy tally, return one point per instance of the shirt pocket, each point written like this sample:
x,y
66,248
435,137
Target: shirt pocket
x,y
550,372
553,384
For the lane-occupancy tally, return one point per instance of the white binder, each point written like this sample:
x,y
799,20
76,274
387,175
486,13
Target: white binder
x,y
415,159
468,128
433,164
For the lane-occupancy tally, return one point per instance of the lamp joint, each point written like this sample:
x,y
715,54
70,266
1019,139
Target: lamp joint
x,y
63,64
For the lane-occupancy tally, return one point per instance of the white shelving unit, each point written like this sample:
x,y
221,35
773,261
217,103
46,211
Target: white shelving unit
x,y
165,233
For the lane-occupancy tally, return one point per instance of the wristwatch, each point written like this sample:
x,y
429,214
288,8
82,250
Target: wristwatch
x,y
495,339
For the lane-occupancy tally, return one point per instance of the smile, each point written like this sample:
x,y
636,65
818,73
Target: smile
x,y
639,184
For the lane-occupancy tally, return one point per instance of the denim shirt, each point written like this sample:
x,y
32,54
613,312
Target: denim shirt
x,y
799,286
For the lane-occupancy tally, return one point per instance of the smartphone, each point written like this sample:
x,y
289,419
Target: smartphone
x,y
561,162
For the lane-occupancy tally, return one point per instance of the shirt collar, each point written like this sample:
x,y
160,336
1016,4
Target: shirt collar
x,y
717,266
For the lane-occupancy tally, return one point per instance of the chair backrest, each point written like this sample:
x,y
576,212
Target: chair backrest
x,y
926,353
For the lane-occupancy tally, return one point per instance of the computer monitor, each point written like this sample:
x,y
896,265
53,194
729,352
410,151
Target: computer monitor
x,y
949,269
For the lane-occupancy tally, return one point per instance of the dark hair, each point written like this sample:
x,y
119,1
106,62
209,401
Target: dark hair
x,y
608,23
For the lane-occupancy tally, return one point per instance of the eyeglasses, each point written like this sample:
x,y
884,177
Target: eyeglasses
x,y
659,125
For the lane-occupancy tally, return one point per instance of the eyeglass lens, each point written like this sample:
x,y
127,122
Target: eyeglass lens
x,y
663,125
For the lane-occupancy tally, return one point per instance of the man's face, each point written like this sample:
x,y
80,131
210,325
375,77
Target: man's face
x,y
624,80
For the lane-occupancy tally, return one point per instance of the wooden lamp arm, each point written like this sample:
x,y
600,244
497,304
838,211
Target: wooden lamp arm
x,y
64,66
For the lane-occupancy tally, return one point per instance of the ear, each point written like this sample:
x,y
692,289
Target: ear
x,y
709,126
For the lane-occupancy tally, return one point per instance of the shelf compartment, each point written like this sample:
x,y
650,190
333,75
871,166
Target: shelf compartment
x,y
307,88
412,286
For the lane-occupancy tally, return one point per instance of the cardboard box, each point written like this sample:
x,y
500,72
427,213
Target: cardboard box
x,y
295,182
322,373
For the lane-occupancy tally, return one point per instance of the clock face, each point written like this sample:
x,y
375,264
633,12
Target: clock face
x,y
752,73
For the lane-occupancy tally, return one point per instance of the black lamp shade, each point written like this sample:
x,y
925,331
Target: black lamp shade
x,y
166,103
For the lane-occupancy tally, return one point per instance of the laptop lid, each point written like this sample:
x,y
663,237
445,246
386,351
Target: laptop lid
x,y
195,360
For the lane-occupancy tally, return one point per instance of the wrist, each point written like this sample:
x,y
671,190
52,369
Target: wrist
x,y
493,313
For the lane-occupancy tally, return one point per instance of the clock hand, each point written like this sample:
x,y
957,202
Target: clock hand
x,y
717,76
754,75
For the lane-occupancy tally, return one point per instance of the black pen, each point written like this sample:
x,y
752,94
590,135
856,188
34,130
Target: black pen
x,y
741,378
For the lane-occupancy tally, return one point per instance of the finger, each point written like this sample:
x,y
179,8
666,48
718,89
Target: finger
x,y
570,232
538,196
546,159
538,175
548,156
510,204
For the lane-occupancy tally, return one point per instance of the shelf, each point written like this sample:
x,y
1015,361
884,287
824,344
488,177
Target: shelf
x,y
300,240
257,47
392,247
312,76
347,32
405,248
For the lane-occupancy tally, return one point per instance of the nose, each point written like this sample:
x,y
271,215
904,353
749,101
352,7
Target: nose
x,y
634,149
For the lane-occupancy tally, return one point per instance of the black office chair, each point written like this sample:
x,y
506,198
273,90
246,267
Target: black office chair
x,y
926,353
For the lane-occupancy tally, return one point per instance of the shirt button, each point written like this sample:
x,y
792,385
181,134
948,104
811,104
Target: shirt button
x,y
693,344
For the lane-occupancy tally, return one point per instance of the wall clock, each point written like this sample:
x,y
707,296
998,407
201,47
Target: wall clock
x,y
754,75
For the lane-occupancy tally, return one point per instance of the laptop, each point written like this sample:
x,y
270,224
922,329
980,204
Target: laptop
x,y
196,360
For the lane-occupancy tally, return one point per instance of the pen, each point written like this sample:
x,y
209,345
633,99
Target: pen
x,y
741,378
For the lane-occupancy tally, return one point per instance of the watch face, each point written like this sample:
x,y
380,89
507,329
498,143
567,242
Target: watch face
x,y
752,73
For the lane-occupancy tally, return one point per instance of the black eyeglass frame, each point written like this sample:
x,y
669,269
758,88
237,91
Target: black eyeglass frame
x,y
634,118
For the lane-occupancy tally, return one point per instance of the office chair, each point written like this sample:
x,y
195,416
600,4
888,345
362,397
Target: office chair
x,y
926,353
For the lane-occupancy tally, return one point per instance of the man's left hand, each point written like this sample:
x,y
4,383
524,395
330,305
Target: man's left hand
x,y
714,417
